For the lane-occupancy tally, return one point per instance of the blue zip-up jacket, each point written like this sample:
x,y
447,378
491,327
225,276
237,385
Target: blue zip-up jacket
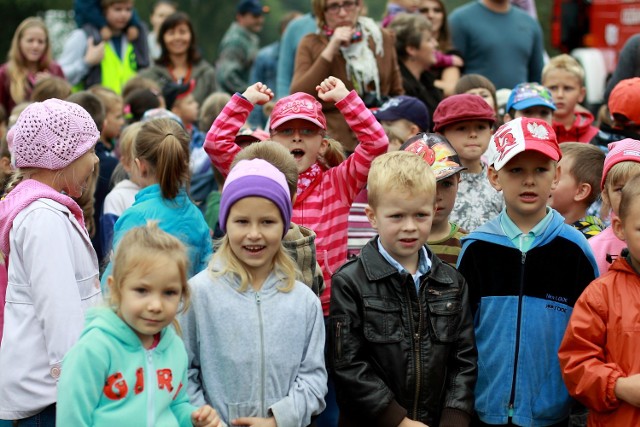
x,y
522,302
178,217
109,379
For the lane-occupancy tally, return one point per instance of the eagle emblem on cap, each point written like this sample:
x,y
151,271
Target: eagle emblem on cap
x,y
537,130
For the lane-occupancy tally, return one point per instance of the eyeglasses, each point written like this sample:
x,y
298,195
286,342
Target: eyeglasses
x,y
426,10
301,131
334,8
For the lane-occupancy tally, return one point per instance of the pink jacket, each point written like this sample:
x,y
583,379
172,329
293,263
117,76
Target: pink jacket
x,y
603,244
326,209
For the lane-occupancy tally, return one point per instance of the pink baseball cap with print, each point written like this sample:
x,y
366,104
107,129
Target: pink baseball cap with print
x,y
522,134
298,106
625,150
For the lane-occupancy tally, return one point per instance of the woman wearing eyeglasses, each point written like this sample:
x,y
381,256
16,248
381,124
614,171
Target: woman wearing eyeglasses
x,y
352,48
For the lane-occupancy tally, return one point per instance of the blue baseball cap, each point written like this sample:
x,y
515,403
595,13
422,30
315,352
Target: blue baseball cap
x,y
530,94
253,7
404,107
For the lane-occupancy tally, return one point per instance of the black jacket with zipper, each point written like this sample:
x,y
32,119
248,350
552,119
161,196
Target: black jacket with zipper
x,y
396,352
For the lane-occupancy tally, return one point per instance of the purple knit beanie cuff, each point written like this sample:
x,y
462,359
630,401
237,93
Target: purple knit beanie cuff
x,y
256,178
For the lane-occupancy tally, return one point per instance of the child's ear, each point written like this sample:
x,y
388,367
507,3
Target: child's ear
x,y
583,93
618,229
324,144
556,177
584,191
141,165
5,165
371,216
114,295
492,174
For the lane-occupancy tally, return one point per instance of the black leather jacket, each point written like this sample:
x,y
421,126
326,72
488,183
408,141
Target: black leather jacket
x,y
395,352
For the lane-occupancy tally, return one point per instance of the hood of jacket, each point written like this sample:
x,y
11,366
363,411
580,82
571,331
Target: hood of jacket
x,y
107,321
25,193
581,130
300,244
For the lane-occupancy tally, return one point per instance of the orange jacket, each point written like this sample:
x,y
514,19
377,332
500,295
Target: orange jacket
x,y
602,343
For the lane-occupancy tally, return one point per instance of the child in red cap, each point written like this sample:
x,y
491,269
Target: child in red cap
x,y
525,269
465,120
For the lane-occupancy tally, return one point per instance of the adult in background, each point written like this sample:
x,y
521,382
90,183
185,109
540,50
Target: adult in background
x,y
239,46
628,64
180,60
265,68
296,30
416,50
355,50
28,61
161,9
498,41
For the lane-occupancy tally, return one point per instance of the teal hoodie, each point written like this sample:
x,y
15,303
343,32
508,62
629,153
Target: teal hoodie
x,y
109,379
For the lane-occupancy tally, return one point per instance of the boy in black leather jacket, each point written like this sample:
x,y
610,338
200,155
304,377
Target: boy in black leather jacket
x,y
401,345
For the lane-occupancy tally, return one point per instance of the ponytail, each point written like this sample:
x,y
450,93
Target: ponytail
x,y
333,155
164,145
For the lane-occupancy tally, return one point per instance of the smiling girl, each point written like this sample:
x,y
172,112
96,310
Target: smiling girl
x,y
29,60
255,336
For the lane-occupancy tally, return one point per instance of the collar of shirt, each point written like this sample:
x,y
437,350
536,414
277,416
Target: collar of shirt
x,y
520,240
424,263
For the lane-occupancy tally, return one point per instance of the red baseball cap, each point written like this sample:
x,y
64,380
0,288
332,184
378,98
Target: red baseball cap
x,y
522,134
625,99
460,108
299,105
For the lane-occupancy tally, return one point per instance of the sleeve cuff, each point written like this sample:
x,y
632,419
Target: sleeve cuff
x,y
611,397
392,415
454,418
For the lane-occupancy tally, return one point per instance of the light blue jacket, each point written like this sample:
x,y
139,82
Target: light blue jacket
x,y
109,379
255,353
179,217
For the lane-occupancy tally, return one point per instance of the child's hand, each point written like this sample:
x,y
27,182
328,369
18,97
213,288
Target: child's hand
x,y
628,389
132,33
94,53
332,90
105,33
254,422
258,94
406,422
456,61
205,416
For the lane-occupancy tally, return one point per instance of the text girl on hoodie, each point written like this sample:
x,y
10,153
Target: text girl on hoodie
x,y
52,267
326,186
254,335
129,364
621,164
161,159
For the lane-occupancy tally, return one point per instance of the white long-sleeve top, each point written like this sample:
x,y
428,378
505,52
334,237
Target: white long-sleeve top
x,y
53,279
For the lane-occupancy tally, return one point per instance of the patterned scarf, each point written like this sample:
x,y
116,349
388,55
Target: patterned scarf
x,y
362,67
307,178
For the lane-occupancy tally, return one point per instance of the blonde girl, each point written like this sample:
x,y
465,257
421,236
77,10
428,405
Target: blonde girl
x,y
129,354
52,268
29,59
621,164
326,185
255,336
161,159
123,194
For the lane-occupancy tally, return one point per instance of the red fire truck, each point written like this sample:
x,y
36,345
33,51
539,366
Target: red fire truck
x,y
594,31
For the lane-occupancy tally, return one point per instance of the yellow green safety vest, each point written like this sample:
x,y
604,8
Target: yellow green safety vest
x,y
115,72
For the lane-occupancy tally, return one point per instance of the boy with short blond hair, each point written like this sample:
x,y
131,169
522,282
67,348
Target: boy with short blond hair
x,y
400,343
466,122
579,186
564,77
526,269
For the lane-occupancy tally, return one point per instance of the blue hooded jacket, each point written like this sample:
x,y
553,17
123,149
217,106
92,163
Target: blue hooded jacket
x,y
522,302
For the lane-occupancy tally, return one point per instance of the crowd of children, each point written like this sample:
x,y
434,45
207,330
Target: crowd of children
x,y
162,263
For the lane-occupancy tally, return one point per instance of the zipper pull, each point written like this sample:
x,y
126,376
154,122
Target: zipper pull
x,y
524,256
257,298
511,410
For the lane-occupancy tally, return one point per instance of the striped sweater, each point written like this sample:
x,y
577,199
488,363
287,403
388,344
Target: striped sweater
x,y
326,210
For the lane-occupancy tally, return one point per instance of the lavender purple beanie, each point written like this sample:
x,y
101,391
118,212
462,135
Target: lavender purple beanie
x,y
51,135
257,178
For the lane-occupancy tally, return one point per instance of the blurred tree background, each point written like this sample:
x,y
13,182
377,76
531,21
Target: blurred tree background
x,y
211,18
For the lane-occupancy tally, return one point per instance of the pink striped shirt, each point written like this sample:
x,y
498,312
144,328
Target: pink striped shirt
x,y
326,209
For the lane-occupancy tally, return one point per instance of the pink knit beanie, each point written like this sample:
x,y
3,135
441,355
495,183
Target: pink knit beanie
x,y
51,135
